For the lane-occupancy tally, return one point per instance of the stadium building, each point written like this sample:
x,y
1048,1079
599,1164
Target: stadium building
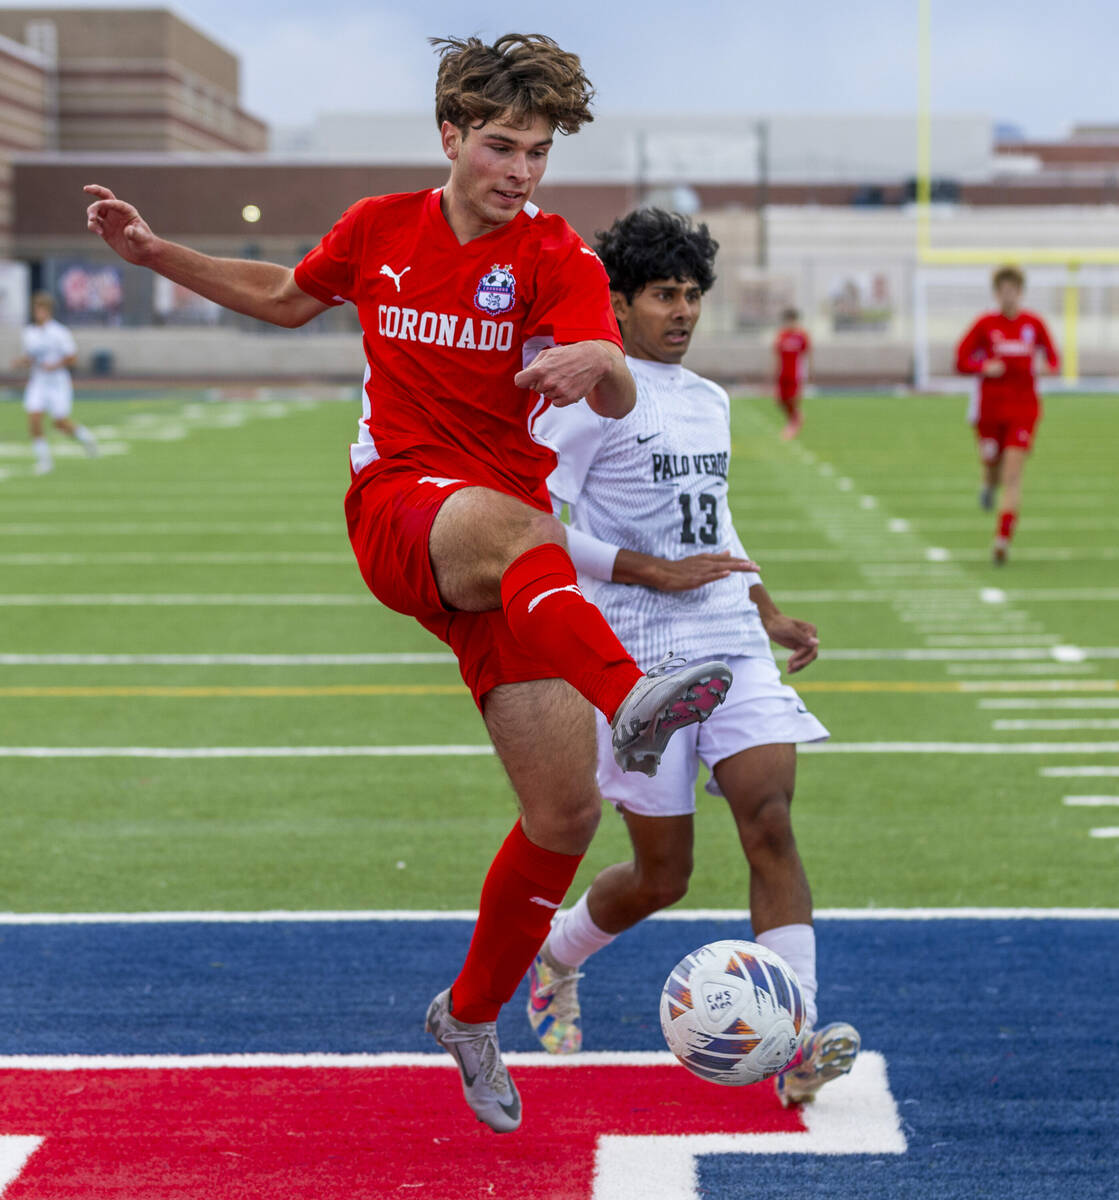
x,y
811,210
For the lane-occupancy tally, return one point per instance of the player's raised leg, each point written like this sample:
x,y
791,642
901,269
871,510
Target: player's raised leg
x,y
490,550
79,433
543,731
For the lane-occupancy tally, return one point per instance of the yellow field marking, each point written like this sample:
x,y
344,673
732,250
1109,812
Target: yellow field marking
x,y
865,686
209,693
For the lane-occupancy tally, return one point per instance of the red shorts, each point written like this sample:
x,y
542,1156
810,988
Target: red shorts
x,y
788,388
390,509
1002,427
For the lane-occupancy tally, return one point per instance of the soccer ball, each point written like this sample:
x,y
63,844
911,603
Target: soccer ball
x,y
732,1012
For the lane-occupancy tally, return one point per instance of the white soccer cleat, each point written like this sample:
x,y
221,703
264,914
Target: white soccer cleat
x,y
553,1004
486,1084
825,1055
671,695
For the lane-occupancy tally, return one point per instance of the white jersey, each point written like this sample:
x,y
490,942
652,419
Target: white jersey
x,y
46,345
656,482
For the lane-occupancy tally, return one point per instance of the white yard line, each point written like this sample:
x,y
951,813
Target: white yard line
x,y
1110,831
1051,725
1049,704
1091,801
139,558
223,660
88,529
473,751
1045,654
1092,772
270,916
186,599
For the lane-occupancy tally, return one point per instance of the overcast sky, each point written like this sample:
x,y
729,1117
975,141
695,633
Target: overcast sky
x,y
1035,63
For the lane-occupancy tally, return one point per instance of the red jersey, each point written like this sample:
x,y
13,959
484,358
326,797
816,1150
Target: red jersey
x,y
791,346
1013,340
448,326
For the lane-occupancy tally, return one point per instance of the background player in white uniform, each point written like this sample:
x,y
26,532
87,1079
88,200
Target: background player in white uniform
x,y
648,503
50,351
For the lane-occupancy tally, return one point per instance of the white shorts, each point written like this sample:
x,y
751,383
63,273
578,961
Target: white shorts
x,y
759,711
53,394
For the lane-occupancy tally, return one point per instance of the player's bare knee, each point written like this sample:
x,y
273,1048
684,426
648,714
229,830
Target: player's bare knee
x,y
665,889
537,529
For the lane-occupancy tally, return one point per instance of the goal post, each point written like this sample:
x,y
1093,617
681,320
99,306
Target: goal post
x,y
1074,288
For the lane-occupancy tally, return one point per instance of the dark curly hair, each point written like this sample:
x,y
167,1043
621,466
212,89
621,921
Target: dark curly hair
x,y
649,244
524,75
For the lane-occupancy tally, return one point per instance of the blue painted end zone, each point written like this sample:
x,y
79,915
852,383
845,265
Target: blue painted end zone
x,y
1000,1036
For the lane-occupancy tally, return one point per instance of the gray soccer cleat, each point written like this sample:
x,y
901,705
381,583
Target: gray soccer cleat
x,y
486,1083
671,695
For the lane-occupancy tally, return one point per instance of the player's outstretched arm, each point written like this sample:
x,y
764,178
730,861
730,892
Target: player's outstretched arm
x,y
797,636
596,370
267,291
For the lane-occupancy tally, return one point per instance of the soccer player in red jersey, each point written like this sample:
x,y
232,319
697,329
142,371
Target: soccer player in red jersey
x,y
1002,348
792,349
478,310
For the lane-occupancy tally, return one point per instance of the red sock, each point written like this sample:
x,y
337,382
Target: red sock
x,y
524,887
550,617
1007,521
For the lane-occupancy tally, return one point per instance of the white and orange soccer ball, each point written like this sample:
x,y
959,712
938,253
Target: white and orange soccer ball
x,y
732,1012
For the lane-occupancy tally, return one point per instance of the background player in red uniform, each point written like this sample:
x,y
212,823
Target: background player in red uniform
x,y
477,310
792,351
1003,348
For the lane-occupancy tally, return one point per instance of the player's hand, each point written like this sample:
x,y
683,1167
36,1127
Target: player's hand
x,y
676,575
21,363
684,574
119,223
993,368
565,374
797,636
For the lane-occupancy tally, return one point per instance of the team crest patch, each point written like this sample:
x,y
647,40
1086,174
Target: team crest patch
x,y
497,290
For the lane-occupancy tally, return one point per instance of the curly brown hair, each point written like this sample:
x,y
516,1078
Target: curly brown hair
x,y
520,77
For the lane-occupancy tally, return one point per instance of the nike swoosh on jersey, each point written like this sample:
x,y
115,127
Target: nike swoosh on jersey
x,y
543,903
642,440
551,592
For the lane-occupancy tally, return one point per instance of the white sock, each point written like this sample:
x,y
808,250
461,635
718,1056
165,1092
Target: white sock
x,y
42,450
575,937
84,436
797,946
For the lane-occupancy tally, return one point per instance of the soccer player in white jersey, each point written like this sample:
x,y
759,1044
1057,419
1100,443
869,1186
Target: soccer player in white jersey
x,y
652,536
49,351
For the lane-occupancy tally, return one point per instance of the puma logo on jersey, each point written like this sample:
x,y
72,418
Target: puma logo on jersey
x,y
387,270
438,480
551,592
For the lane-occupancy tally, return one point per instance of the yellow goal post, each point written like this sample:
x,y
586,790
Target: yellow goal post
x,y
1072,269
